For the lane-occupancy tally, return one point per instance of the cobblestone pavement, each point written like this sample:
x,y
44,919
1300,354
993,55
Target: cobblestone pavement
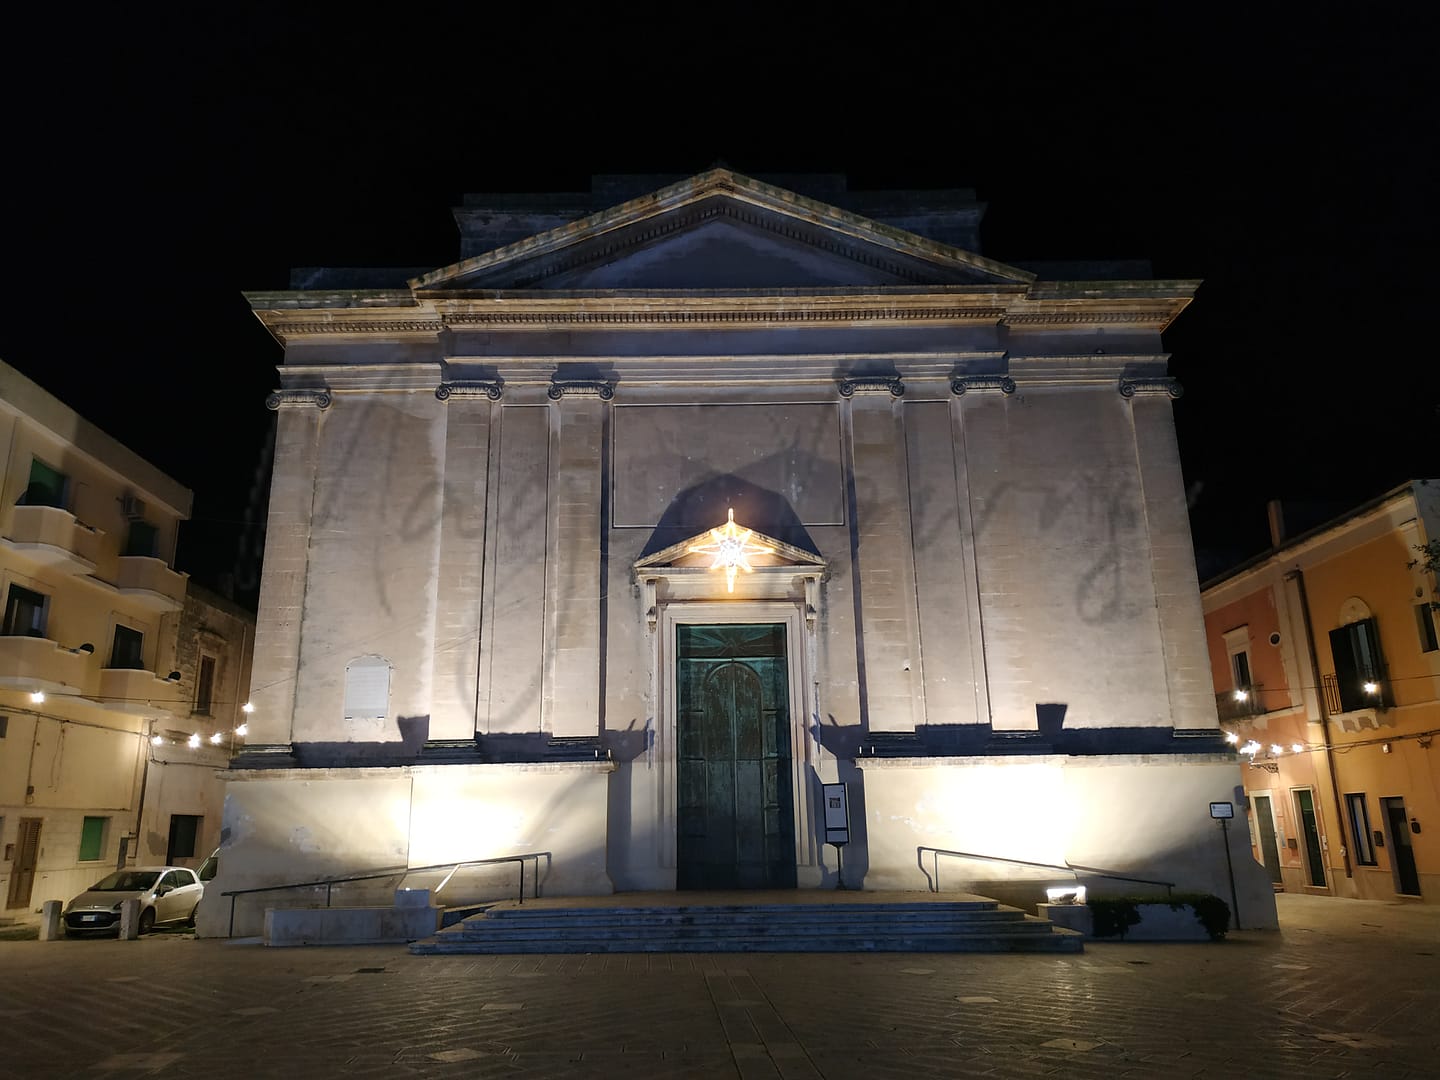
x,y
1346,989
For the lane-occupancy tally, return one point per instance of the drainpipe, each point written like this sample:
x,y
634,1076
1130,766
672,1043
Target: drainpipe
x,y
1298,576
145,734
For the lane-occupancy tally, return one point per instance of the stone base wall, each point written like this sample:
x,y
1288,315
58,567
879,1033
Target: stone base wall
x,y
1143,817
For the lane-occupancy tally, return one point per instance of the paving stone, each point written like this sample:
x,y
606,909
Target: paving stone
x,y
1242,1008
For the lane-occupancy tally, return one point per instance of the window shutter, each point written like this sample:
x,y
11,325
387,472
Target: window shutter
x,y
1347,671
367,688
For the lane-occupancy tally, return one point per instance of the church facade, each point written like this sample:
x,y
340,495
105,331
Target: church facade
x,y
613,542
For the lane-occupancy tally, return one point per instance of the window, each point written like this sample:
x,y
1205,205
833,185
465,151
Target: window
x,y
1425,624
92,838
25,612
1359,666
47,487
142,539
4,726
205,685
367,688
129,650
1362,848
183,830
1240,669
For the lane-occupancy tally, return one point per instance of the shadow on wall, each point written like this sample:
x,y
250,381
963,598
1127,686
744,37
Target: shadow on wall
x,y
704,505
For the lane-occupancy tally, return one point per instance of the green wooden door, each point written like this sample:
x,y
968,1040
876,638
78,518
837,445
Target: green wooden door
x,y
736,825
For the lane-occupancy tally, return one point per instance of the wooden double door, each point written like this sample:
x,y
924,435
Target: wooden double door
x,y
736,818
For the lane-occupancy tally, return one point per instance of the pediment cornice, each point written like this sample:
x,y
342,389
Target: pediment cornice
x,y
715,195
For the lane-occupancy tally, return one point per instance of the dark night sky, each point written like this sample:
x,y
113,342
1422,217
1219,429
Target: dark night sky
x,y
161,166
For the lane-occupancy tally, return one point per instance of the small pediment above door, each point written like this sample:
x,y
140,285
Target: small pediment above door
x,y
721,231
731,562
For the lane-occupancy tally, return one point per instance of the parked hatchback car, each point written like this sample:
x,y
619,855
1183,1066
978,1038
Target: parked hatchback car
x,y
167,894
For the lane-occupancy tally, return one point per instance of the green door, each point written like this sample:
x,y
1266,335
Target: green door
x,y
736,829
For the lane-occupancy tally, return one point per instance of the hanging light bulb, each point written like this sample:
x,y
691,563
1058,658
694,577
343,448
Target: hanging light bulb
x,y
194,741
37,697
247,708
1232,738
1297,748
243,730
157,740
215,739
1276,749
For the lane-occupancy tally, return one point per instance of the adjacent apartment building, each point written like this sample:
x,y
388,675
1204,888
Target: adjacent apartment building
x,y
120,683
1326,655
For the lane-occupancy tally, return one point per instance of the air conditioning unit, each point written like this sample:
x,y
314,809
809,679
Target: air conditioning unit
x,y
132,507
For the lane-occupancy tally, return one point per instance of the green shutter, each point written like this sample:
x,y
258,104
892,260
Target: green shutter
x,y
92,837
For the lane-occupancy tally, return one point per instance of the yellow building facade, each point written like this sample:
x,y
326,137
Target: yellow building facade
x,y
111,727
1326,658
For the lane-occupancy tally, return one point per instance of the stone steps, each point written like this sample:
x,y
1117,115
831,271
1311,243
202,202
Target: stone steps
x,y
961,926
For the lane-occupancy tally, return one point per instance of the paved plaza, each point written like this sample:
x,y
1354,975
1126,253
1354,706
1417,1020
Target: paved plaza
x,y
1346,989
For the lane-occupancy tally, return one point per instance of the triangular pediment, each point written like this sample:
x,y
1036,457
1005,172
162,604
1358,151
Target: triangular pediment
x,y
720,231
702,551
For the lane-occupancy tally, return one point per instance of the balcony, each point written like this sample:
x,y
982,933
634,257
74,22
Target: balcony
x,y
35,663
1366,690
50,537
150,583
1232,706
139,692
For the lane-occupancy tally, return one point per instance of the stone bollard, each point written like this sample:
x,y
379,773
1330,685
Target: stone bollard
x,y
50,920
129,920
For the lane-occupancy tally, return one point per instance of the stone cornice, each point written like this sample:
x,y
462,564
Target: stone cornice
x,y
595,388
284,399
454,313
965,384
491,389
890,384
1130,387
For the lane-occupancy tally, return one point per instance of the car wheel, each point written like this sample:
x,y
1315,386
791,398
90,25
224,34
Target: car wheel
x,y
190,922
147,920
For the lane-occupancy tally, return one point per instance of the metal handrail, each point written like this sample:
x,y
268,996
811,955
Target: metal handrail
x,y
403,871
1072,868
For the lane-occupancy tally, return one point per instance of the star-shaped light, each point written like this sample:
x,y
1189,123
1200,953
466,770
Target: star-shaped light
x,y
731,546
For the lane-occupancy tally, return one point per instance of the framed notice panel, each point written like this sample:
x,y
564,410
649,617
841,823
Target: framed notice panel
x,y
837,814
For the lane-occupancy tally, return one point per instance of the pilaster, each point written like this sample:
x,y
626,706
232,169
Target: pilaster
x,y
1177,590
884,565
462,559
276,666
572,697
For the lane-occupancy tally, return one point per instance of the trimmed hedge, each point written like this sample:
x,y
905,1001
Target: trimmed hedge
x,y
1116,916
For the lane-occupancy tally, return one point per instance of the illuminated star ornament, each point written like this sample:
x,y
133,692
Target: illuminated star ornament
x,y
731,546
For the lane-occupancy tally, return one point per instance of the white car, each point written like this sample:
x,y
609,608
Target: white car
x,y
167,894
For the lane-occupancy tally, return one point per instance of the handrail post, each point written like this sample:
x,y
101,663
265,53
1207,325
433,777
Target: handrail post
x,y
521,863
232,916
328,886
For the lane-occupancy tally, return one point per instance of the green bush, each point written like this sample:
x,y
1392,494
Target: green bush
x,y
1112,916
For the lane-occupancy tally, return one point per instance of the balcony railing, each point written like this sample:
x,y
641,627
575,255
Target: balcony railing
x,y
49,536
1242,703
1343,699
150,582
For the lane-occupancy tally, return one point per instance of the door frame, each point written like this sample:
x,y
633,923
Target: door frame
x,y
1321,843
799,665
1395,844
